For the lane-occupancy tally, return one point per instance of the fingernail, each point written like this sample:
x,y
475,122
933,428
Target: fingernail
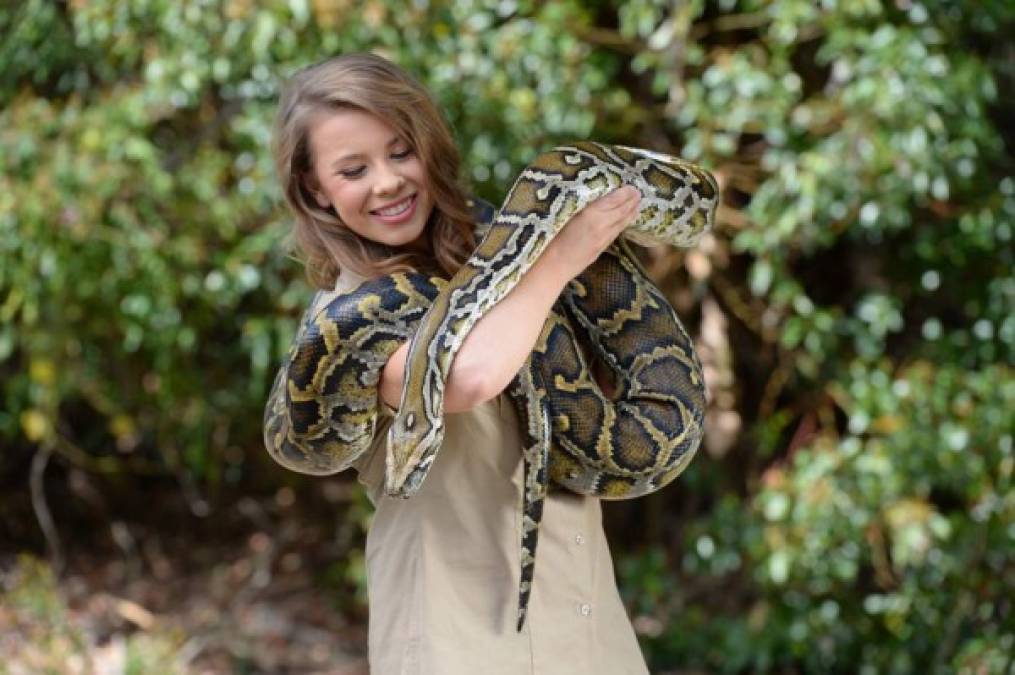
x,y
619,195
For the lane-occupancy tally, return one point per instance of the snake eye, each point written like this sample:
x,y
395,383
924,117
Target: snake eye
x,y
410,421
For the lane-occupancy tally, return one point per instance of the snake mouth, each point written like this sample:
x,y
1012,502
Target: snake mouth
x,y
410,456
406,482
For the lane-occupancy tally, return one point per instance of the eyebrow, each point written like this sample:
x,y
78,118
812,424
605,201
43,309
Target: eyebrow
x,y
357,155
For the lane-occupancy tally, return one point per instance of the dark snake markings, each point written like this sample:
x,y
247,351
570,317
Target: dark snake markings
x,y
322,411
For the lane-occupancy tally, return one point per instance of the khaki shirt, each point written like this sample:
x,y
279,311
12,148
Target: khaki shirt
x,y
443,566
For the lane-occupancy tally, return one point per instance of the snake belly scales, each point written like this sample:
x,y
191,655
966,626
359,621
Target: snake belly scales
x,y
322,410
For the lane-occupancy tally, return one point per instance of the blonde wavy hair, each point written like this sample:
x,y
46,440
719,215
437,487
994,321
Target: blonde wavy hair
x,y
374,85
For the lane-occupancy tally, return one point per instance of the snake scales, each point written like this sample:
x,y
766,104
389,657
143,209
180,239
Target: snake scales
x,y
322,409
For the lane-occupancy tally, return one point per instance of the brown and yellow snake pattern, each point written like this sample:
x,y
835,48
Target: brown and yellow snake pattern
x,y
322,409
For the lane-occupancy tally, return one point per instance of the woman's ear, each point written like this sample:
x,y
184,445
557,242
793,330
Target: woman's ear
x,y
314,188
322,201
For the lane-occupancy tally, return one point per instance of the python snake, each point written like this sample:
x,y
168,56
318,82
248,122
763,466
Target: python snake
x,y
322,409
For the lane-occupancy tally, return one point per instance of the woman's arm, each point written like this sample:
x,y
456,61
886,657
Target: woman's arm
x,y
503,338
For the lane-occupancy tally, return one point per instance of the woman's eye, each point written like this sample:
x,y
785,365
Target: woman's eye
x,y
358,171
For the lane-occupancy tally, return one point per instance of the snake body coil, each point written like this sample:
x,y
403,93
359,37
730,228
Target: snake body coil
x,y
322,409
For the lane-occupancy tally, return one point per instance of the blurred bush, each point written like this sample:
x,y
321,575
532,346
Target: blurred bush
x,y
853,508
40,634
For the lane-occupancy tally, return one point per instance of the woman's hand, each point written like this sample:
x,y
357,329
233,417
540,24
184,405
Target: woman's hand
x,y
592,231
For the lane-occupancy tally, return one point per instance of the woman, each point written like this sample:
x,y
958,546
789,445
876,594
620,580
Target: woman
x,y
371,173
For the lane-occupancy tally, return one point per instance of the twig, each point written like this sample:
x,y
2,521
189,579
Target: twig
x,y
603,37
63,446
739,307
776,383
730,22
42,513
964,606
960,612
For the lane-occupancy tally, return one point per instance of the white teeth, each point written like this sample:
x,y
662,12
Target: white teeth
x,y
401,207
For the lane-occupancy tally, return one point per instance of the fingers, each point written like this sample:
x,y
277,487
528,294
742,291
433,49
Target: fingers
x,y
618,207
622,204
630,208
617,220
626,210
619,198
610,215
597,226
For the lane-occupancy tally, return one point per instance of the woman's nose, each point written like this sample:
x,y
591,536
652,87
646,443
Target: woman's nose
x,y
389,181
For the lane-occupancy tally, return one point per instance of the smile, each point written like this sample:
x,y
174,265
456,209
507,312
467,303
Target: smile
x,y
396,210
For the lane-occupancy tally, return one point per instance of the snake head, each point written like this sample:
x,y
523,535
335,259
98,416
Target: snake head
x,y
413,442
417,430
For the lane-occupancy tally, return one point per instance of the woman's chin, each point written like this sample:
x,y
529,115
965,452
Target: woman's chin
x,y
412,243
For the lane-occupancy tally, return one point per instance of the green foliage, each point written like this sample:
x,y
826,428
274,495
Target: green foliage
x,y
879,550
862,520
884,542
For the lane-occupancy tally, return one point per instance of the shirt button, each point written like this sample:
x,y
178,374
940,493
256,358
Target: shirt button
x,y
585,609
578,539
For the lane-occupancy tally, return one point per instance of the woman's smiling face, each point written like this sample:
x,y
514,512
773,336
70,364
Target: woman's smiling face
x,y
371,176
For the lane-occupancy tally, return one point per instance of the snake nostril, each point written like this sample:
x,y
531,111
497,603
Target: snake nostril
x,y
410,421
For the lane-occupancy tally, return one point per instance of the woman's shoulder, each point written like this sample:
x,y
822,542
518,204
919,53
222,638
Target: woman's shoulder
x,y
400,296
346,283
